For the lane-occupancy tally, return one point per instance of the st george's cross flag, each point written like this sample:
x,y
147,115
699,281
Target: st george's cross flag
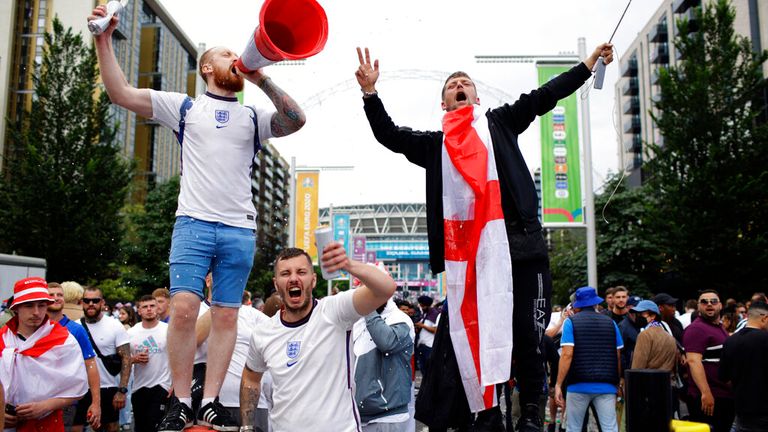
x,y
477,262
48,364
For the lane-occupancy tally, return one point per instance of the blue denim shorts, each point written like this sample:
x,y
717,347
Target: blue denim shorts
x,y
198,247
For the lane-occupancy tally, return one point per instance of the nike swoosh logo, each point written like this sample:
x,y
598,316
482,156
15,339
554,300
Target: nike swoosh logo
x,y
289,364
221,126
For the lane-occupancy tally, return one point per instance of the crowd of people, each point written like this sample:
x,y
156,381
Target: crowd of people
x,y
200,353
714,352
81,360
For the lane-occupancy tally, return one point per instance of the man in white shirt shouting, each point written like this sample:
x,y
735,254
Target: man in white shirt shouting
x,y
307,346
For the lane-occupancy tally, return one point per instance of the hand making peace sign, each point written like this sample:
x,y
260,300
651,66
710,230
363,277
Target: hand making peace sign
x,y
367,74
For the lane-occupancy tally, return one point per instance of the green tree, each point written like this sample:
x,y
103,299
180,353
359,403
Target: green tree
x,y
628,250
709,176
568,263
65,180
147,243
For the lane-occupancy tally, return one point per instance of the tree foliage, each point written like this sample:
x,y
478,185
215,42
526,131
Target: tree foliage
x,y
147,243
708,176
628,250
65,181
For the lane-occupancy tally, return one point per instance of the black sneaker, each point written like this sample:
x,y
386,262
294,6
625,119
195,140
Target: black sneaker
x,y
529,419
215,416
178,417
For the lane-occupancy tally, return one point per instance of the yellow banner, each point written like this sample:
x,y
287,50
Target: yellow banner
x,y
307,211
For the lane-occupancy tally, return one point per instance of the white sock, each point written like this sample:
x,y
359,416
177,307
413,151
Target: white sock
x,y
186,401
206,401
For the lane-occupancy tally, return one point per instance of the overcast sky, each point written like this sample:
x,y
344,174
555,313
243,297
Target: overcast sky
x,y
435,37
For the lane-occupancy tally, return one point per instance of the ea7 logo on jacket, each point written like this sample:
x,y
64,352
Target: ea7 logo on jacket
x,y
292,351
222,116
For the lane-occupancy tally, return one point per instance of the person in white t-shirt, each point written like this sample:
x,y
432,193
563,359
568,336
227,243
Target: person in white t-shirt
x,y
216,218
307,346
151,379
248,319
108,338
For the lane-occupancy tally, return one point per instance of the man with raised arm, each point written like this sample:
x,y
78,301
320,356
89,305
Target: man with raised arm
x,y
307,347
216,217
481,223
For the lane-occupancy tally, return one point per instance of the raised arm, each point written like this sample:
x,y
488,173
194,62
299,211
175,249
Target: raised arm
x,y
377,287
538,102
289,117
404,140
119,90
389,339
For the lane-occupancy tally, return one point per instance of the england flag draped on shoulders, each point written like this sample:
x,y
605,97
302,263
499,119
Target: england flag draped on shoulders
x,y
41,367
477,262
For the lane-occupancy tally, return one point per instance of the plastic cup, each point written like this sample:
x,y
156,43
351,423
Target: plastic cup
x,y
323,237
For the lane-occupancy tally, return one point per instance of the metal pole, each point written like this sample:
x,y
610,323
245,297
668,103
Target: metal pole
x,y
330,224
292,205
589,211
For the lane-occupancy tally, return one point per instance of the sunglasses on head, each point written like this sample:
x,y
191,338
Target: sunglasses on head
x,y
92,300
713,301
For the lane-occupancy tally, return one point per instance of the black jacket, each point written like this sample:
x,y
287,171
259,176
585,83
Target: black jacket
x,y
518,192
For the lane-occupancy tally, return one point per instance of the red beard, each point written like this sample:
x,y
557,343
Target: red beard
x,y
228,80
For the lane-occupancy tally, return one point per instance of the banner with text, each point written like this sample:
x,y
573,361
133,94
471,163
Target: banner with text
x,y
560,157
358,248
306,211
341,229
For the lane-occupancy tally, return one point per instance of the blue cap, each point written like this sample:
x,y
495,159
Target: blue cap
x,y
634,300
647,305
586,296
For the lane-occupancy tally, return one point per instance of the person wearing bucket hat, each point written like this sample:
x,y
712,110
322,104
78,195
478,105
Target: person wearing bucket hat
x,y
655,348
509,235
591,346
42,365
216,217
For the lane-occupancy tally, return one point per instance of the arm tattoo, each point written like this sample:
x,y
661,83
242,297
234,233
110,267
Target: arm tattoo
x,y
289,116
249,400
125,371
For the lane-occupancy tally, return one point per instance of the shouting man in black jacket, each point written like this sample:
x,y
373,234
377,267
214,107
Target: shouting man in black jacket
x,y
500,197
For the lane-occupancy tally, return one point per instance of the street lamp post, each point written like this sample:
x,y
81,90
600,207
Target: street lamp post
x,y
589,203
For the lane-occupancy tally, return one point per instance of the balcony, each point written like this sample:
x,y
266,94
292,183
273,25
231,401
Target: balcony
x,y
629,69
680,6
691,16
659,33
660,55
634,144
630,87
631,106
632,124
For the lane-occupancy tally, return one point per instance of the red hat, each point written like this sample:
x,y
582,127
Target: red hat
x,y
29,290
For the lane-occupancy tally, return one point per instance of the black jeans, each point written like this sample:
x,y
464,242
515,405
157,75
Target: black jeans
x,y
149,405
532,283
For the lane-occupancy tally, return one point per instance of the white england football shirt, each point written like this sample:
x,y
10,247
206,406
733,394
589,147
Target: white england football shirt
x,y
108,334
310,362
153,341
216,155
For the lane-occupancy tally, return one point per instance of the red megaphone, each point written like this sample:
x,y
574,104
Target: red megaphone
x,y
288,30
